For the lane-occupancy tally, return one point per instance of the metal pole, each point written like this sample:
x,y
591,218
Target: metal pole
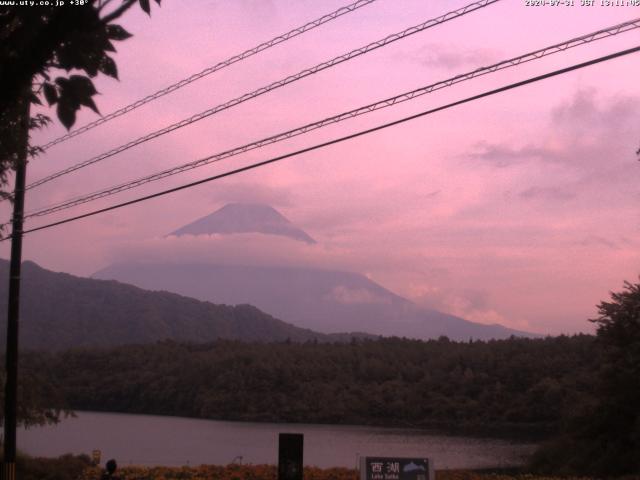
x,y
11,362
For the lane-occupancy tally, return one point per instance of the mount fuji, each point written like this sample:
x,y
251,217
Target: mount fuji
x,y
326,301
244,218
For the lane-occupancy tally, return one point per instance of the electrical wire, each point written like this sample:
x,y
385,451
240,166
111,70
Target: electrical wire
x,y
209,70
388,102
338,140
278,84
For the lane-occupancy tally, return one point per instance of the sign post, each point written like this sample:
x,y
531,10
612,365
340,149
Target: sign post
x,y
396,468
290,456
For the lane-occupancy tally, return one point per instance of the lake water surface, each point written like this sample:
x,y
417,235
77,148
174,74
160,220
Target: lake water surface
x,y
153,440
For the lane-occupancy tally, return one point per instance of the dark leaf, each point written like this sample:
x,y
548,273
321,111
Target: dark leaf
x,y
88,102
50,93
144,4
82,51
39,121
82,86
108,47
158,2
92,63
108,67
34,99
69,55
116,32
75,91
102,43
66,113
34,151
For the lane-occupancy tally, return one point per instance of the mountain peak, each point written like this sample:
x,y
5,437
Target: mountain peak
x,y
244,218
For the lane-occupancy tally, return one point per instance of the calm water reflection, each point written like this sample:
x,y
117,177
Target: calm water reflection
x,y
152,440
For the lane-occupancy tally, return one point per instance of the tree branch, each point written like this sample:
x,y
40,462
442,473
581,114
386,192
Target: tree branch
x,y
117,13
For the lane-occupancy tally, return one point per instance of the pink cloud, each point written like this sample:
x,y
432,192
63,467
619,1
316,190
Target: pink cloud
x,y
422,208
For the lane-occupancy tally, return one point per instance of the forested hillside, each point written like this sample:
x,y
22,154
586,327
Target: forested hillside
x,y
61,311
519,386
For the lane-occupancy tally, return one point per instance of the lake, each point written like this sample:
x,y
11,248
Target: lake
x,y
154,440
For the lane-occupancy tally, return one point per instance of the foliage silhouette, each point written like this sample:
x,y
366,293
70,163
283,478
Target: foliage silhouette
x,y
34,41
38,40
603,438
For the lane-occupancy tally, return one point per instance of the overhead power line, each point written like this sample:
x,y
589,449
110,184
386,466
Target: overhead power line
x,y
209,70
388,102
339,140
280,83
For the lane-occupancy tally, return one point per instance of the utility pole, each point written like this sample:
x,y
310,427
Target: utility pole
x,y
13,315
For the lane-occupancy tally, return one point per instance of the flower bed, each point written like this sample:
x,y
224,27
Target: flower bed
x,y
269,472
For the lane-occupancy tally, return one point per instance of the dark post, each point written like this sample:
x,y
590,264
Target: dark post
x,y
290,450
11,362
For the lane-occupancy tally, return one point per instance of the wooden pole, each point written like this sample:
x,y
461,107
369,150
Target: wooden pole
x,y
13,315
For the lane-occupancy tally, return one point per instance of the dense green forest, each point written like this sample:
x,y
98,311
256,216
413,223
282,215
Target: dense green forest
x,y
512,386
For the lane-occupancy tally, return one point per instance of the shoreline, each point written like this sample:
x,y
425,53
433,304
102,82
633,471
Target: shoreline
x,y
519,434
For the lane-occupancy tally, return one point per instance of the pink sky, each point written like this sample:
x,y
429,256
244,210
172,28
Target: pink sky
x,y
519,209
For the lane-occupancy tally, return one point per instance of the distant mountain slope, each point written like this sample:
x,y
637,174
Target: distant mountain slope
x,y
60,311
322,300
245,218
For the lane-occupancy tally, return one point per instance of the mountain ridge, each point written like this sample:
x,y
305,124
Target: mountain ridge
x,y
60,311
320,300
